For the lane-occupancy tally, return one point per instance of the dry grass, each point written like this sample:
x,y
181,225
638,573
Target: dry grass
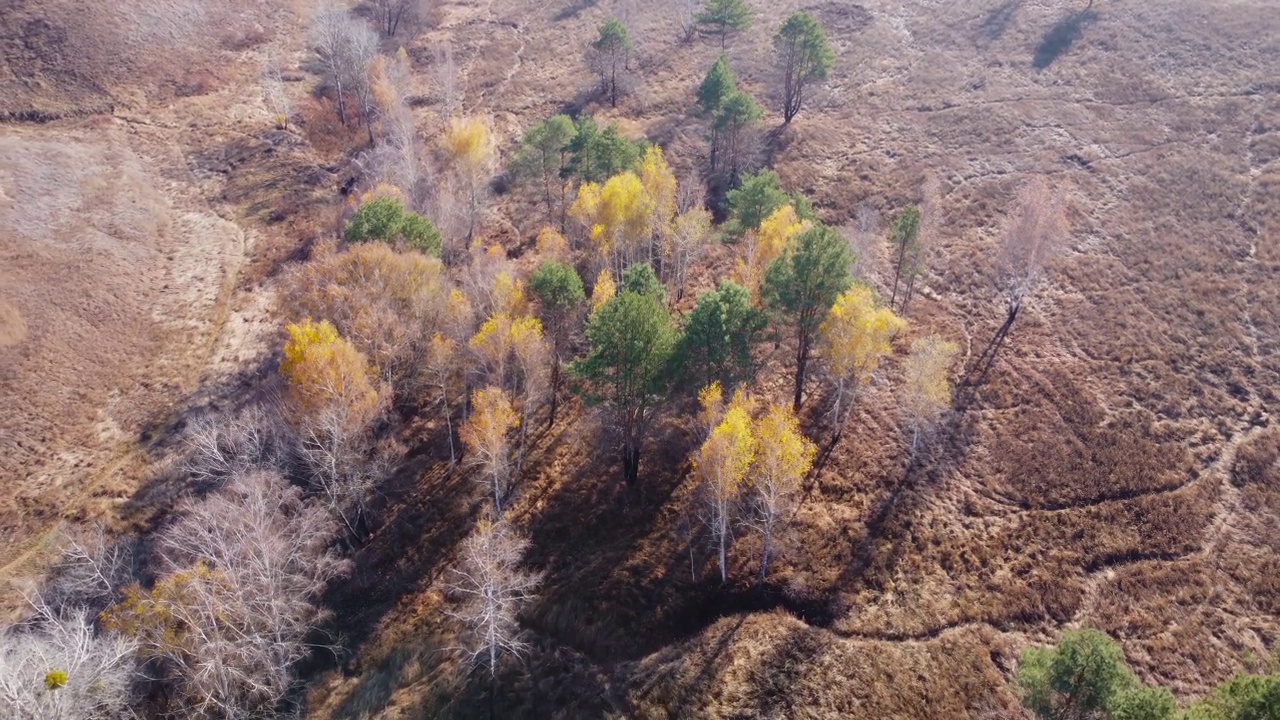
x,y
1088,483
1114,472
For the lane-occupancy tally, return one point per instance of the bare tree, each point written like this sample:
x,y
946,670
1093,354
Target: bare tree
x,y
343,464
396,15
491,590
227,619
93,569
687,15
273,91
220,447
345,46
1031,239
59,668
446,73
930,226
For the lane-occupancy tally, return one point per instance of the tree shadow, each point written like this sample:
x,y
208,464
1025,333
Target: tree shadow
x,y
1059,39
997,22
573,10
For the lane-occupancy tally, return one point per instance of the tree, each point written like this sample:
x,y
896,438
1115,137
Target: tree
x,y
1031,240
766,245
800,287
755,200
926,388
322,369
689,236
469,150
856,336
731,133
660,184
621,231
274,95
226,621
610,55
345,46
639,279
803,56
723,463
383,217
1083,677
61,669
544,155
392,15
603,290
559,292
1244,697
927,236
631,339
718,85
443,370
904,236
492,589
724,17
718,338
485,435
598,154
688,17
784,457
387,303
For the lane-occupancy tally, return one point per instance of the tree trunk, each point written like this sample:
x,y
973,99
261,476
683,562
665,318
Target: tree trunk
x,y
630,465
897,273
802,361
723,531
555,390
764,552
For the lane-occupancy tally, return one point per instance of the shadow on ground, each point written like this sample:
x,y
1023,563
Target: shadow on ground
x,y
1061,37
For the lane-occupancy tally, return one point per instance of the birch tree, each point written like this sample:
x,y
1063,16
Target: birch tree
x,y
723,463
485,433
856,336
783,459
926,391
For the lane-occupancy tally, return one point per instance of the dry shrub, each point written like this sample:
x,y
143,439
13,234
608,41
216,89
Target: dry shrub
x,y
388,303
325,132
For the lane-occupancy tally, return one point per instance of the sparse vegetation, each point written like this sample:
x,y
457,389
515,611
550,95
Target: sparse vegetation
x,y
361,534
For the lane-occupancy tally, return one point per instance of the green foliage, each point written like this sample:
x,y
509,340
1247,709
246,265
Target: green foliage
x,y
802,284
613,38
738,110
544,152
722,17
718,337
631,339
1085,676
557,287
718,84
641,280
755,199
905,231
1244,697
597,155
804,56
383,218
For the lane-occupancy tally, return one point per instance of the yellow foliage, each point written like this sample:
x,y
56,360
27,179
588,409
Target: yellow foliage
x,y
603,291
501,335
785,455
492,417
625,215
711,403
926,387
586,207
726,457
660,184
156,617
382,189
552,245
509,295
322,368
765,244
468,144
857,333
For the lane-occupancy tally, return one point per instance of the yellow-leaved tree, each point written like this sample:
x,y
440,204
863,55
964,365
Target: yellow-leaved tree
x,y
661,186
710,406
622,230
551,245
470,152
855,337
584,210
689,235
784,457
485,436
926,391
723,463
604,290
766,243
327,374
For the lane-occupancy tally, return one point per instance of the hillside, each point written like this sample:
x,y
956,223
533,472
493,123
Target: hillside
x,y
1116,470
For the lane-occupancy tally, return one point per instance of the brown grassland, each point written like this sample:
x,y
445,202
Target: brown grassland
x,y
1120,469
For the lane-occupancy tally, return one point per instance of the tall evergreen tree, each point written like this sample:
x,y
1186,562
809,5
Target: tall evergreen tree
x,y
724,17
803,56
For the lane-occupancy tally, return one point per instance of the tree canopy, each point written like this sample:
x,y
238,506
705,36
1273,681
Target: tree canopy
x,y
803,56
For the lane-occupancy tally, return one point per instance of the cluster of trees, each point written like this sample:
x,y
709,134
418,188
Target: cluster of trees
x,y
1085,676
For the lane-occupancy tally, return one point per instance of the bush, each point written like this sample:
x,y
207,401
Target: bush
x,y
384,218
